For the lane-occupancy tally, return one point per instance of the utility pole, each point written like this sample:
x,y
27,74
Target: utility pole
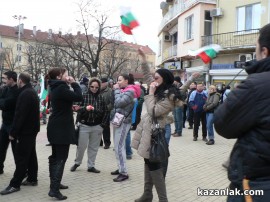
x,y
19,47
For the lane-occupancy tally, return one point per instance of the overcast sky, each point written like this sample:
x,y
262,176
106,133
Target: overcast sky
x,y
61,15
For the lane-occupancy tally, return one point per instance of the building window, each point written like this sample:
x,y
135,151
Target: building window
x,y
249,17
19,47
207,23
19,58
189,27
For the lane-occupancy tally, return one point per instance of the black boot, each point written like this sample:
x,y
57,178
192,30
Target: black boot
x,y
159,182
148,186
56,169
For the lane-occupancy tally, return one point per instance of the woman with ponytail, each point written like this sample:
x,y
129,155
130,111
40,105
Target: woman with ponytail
x,y
124,93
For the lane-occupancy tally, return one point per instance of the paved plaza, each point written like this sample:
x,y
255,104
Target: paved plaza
x,y
191,165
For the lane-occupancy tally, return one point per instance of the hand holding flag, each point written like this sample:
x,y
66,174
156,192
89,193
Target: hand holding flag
x,y
206,53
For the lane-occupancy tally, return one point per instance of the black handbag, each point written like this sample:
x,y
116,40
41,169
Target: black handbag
x,y
159,150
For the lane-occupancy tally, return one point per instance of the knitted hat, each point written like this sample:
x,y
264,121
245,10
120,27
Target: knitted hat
x,y
167,76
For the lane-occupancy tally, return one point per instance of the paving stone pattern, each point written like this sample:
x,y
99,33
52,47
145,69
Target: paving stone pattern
x,y
191,165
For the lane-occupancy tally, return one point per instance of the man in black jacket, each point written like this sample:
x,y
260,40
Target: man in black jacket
x,y
7,105
245,115
25,127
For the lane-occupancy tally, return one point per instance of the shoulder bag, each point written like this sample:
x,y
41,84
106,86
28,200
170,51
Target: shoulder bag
x,y
159,149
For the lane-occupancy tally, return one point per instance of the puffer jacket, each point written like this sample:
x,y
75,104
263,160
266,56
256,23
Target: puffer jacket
x,y
142,137
124,103
245,115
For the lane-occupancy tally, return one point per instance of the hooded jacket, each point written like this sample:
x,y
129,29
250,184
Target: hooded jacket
x,y
97,116
245,115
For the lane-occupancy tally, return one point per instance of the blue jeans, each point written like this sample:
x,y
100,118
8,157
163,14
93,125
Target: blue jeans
x,y
168,132
209,125
178,119
128,147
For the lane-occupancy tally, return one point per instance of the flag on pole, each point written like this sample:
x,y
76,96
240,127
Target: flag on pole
x,y
206,53
43,92
128,22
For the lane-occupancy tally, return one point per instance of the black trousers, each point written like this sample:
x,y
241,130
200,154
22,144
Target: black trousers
x,y
190,116
199,117
26,160
4,142
184,114
107,134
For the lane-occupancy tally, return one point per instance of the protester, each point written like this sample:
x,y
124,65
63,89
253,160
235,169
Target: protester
x,y
245,116
84,84
106,92
192,87
8,100
197,100
163,97
124,95
25,127
210,105
178,112
92,117
60,127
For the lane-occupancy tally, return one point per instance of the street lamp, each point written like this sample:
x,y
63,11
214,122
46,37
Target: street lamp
x,y
19,18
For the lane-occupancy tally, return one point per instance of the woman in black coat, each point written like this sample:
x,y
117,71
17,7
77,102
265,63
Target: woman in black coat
x,y
60,127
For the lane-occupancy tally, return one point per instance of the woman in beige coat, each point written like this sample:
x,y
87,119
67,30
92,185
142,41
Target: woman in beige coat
x,y
163,97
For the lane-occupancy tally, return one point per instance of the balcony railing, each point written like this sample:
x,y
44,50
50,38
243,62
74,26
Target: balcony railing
x,y
179,8
169,52
233,39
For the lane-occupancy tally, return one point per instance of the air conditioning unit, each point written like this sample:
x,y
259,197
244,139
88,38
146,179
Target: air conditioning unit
x,y
245,57
167,37
217,12
186,64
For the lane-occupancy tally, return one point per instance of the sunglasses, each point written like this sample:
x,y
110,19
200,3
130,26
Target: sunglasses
x,y
94,87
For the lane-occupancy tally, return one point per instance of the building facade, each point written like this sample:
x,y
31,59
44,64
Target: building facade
x,y
233,24
36,51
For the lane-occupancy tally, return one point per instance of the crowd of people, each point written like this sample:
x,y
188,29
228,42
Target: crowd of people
x,y
240,113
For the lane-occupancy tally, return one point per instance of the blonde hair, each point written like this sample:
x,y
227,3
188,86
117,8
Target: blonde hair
x,y
212,87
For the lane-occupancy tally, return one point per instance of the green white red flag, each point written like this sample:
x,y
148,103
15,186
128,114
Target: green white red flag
x,y
206,53
128,22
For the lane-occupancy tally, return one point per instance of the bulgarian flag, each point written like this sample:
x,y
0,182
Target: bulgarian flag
x,y
43,94
206,53
128,20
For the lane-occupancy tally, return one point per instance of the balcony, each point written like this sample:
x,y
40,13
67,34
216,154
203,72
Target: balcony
x,y
169,52
179,8
233,40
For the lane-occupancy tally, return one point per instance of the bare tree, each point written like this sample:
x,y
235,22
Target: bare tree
x,y
85,48
10,58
